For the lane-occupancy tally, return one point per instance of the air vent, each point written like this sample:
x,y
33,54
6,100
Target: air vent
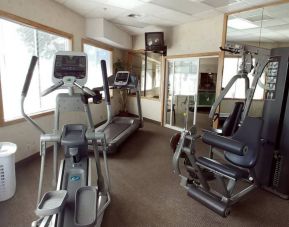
x,y
219,3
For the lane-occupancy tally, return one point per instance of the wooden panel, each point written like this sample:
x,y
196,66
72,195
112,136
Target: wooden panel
x,y
163,89
221,65
96,44
12,122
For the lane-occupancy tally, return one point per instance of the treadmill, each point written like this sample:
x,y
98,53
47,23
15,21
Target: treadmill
x,y
117,129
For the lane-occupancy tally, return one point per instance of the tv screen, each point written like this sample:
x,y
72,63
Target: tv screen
x,y
154,41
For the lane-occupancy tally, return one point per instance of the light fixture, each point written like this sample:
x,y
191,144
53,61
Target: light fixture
x,y
239,23
134,15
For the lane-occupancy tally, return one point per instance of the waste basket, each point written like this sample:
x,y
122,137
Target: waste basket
x,y
7,170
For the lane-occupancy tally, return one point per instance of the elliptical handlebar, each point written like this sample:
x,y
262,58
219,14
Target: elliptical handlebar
x,y
232,51
29,76
105,81
24,93
52,88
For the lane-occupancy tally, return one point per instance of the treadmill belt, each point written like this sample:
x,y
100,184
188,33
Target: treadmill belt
x,y
114,129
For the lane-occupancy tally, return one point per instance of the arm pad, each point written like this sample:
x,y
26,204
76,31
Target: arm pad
x,y
225,143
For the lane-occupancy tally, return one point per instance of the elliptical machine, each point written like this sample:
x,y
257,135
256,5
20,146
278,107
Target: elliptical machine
x,y
74,202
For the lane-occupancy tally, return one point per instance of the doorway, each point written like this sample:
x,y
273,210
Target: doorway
x,y
190,91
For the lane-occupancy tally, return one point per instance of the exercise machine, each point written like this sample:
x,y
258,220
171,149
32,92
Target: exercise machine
x,y
247,54
117,129
75,202
256,154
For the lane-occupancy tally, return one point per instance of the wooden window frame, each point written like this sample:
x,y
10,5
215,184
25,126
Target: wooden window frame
x,y
41,27
100,45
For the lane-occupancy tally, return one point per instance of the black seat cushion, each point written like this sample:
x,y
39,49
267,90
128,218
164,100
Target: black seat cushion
x,y
249,134
227,170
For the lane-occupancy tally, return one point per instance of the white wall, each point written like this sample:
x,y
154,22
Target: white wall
x,y
54,15
151,109
105,31
195,37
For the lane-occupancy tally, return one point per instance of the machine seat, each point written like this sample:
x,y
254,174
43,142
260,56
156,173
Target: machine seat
x,y
227,170
249,134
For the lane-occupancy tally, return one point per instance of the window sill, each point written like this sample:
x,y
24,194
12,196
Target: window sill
x,y
20,120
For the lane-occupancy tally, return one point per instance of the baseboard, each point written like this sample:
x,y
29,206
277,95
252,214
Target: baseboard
x,y
152,121
27,160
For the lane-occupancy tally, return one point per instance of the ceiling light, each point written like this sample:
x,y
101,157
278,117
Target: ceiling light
x,y
239,23
134,15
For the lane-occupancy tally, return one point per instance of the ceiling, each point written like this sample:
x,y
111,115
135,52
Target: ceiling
x,y
272,25
155,15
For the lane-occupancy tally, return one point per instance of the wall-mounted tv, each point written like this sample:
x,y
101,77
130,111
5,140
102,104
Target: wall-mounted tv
x,y
154,41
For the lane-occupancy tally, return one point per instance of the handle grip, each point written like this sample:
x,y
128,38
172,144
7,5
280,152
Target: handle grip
x,y
52,88
105,81
88,91
29,76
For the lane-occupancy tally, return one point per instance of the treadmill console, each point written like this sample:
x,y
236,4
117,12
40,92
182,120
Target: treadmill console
x,y
70,65
121,78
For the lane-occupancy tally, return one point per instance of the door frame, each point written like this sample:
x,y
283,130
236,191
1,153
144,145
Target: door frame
x,y
165,76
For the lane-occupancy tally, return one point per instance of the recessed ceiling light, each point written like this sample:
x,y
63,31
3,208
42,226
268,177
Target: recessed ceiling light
x,y
239,23
134,15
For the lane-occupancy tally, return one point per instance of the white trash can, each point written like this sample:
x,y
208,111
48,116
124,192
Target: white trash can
x,y
7,170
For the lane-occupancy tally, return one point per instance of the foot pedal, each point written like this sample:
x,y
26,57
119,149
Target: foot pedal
x,y
86,206
51,203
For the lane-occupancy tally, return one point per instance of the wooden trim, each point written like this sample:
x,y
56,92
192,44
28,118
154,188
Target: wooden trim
x,y
163,90
33,24
96,43
100,45
1,106
202,54
258,6
221,65
20,120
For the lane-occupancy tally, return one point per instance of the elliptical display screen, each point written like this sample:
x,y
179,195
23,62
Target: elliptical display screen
x,y
66,65
121,78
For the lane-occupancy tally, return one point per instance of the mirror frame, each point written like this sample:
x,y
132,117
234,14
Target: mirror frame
x,y
224,36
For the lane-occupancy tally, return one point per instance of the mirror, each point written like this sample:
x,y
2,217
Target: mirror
x,y
149,74
266,27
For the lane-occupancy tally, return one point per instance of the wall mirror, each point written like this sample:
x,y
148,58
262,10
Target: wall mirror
x,y
148,72
266,27
190,91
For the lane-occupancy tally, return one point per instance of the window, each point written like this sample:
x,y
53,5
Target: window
x,y
94,55
237,91
17,44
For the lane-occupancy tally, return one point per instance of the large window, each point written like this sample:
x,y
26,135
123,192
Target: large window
x,y
237,91
95,54
17,44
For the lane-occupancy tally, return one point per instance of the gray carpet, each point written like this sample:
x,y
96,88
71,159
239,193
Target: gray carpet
x,y
146,193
